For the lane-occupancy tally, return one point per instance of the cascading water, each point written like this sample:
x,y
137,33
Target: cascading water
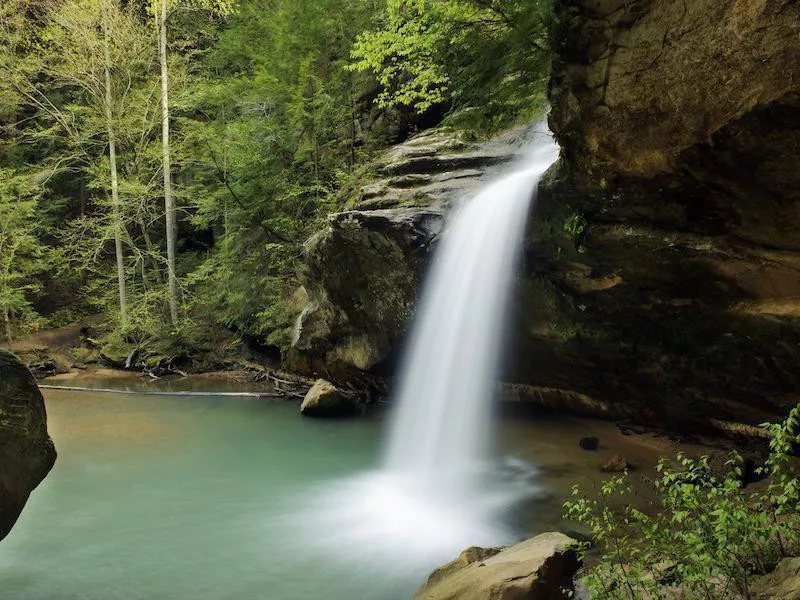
x,y
440,426
437,492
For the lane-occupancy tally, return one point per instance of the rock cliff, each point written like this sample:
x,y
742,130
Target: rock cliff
x,y
664,256
362,269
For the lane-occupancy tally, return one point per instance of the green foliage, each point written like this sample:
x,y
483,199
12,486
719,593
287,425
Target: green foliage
x,y
709,537
270,121
575,227
487,53
403,55
21,253
272,157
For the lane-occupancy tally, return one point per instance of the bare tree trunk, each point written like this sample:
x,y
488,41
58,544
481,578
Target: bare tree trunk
x,y
168,200
112,155
151,251
7,321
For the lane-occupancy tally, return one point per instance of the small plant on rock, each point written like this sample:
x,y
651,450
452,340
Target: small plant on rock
x,y
708,538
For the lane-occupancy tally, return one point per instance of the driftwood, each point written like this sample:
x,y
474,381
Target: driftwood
x,y
740,429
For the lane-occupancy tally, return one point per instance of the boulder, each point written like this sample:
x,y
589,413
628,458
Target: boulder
x,y
589,443
541,568
616,464
26,451
782,584
325,400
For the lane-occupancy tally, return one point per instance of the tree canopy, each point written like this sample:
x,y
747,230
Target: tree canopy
x,y
162,161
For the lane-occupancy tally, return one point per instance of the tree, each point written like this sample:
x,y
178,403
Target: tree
x,y
20,250
278,144
83,46
488,53
112,156
161,10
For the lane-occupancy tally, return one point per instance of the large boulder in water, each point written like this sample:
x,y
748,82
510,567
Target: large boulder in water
x,y
325,400
541,568
26,452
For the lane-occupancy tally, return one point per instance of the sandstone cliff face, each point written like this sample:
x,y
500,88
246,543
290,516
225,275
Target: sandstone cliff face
x,y
665,248
700,98
662,272
26,451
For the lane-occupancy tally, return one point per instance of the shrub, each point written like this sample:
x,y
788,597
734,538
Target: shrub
x,y
708,537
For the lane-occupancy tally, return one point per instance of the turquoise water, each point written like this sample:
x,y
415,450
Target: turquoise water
x,y
184,498
209,498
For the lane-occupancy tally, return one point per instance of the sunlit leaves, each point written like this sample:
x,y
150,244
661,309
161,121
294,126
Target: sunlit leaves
x,y
428,52
21,252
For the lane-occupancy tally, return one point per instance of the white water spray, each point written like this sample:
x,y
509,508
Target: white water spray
x,y
437,493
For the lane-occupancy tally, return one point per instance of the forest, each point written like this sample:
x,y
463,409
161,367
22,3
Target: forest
x,y
390,299
163,162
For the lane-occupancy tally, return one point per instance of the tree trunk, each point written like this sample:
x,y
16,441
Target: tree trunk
x,y
169,207
112,155
151,251
7,321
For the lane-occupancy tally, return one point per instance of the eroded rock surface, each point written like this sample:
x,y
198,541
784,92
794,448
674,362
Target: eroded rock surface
x,y
26,452
641,82
662,260
541,568
362,270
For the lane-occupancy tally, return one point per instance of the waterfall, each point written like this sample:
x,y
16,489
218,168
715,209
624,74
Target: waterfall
x,y
437,492
440,426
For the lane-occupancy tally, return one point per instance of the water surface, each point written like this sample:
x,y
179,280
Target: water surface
x,y
186,498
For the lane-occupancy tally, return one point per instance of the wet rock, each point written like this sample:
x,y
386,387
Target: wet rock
x,y
632,429
616,464
589,443
26,452
540,568
782,584
325,400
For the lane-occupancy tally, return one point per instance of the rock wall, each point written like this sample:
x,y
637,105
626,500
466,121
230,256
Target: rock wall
x,y
664,262
662,272
26,451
